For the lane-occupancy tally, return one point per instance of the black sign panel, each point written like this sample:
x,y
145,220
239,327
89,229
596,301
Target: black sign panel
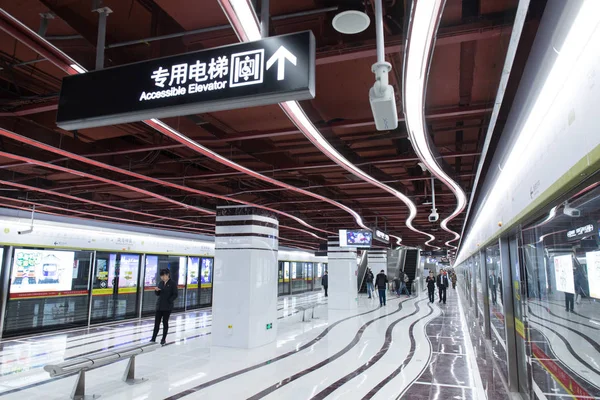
x,y
267,71
381,236
435,253
581,230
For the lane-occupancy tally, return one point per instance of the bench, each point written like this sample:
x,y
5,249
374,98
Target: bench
x,y
80,365
310,306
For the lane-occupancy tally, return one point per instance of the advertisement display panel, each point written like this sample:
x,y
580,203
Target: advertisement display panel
x,y
563,272
593,271
358,238
112,264
128,272
42,271
193,268
206,271
286,270
151,271
182,271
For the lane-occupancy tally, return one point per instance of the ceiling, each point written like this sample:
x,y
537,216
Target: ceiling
x,y
160,182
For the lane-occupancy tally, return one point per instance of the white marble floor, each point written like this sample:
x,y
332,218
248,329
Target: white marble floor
x,y
373,352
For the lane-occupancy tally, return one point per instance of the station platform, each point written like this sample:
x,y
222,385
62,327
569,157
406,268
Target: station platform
x,y
409,349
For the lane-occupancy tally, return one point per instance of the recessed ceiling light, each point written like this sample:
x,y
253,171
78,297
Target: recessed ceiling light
x,y
351,22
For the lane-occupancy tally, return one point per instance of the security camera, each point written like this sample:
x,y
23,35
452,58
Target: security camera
x,y
434,216
25,232
383,99
571,211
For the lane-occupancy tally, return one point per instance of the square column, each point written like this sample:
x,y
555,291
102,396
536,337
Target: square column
x,y
377,261
343,271
245,278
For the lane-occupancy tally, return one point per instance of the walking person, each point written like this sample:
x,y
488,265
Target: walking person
x,y
430,280
325,282
381,282
493,290
453,280
442,283
369,279
166,291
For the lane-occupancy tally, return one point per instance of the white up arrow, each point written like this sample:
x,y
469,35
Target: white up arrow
x,y
280,56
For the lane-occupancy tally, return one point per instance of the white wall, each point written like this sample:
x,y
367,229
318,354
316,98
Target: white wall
x,y
553,123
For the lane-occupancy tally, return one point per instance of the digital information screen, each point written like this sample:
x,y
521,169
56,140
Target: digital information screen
x,y
42,271
593,271
358,238
563,272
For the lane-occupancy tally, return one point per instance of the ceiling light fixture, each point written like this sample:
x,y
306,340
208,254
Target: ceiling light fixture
x,y
419,45
40,45
297,115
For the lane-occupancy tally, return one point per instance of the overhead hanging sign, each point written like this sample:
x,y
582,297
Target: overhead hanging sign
x,y
583,230
267,71
381,236
434,253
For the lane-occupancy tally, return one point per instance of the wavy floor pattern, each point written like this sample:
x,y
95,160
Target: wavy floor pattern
x,y
409,349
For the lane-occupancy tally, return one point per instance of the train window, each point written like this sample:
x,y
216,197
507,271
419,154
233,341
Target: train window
x,y
561,254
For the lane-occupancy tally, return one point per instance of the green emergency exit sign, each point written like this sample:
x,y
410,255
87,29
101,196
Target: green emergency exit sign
x,y
269,326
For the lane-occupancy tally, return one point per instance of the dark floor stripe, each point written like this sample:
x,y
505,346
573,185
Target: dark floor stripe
x,y
382,351
588,339
565,319
262,364
397,371
328,360
541,303
573,353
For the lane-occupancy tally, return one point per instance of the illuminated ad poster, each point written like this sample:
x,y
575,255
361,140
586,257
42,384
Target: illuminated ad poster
x,y
42,271
563,272
593,270
151,271
182,271
112,263
286,271
193,268
206,271
293,270
128,271
320,270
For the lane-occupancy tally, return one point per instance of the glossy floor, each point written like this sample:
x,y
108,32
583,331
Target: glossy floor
x,y
410,349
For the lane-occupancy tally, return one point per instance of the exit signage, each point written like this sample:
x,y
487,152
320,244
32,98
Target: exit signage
x,y
266,71
270,326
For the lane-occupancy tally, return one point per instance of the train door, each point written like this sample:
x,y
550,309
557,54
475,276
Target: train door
x,y
519,292
115,287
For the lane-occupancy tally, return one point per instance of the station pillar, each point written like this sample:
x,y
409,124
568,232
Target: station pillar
x,y
245,277
342,269
377,261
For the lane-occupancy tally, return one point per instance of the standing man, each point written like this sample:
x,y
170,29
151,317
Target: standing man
x,y
381,281
430,280
325,282
369,279
442,283
166,291
453,280
493,285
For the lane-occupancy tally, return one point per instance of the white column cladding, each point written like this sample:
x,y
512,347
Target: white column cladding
x,y
377,260
342,270
245,278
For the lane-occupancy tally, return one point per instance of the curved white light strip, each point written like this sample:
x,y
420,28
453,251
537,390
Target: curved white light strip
x,y
398,239
242,17
418,54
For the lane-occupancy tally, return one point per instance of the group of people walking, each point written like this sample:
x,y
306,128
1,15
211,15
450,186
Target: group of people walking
x,y
442,281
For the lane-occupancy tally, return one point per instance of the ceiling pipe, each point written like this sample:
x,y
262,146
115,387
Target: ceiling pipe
x,y
424,20
22,33
72,156
242,17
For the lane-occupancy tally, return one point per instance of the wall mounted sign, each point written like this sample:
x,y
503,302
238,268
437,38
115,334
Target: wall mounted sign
x,y
267,71
435,253
587,229
381,236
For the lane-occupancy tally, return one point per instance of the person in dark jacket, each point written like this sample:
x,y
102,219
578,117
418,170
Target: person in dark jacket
x,y
442,283
325,282
369,279
166,291
430,280
381,282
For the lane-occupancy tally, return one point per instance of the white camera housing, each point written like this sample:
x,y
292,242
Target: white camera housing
x,y
383,99
571,212
434,216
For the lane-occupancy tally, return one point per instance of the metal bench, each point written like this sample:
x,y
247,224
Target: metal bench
x,y
80,365
306,307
